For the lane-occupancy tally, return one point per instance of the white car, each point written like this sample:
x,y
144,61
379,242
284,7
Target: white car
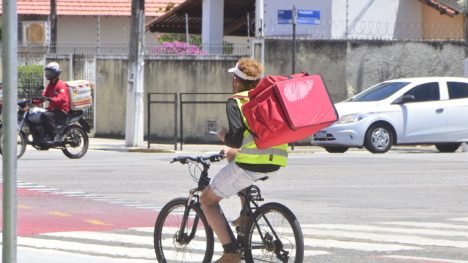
x,y
432,110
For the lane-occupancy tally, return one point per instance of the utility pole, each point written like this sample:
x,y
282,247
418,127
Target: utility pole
x,y
53,26
10,124
136,64
465,15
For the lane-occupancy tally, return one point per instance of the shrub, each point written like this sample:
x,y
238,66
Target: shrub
x,y
177,48
30,77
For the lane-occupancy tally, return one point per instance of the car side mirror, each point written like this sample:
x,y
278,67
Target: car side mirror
x,y
404,99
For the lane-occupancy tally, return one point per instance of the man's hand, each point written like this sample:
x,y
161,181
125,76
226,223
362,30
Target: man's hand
x,y
230,153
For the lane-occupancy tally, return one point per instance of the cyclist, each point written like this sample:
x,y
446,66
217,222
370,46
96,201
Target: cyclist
x,y
249,163
59,101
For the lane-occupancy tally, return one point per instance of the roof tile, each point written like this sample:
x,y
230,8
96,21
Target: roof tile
x,y
91,7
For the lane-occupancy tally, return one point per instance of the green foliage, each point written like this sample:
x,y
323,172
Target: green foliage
x,y
30,77
173,37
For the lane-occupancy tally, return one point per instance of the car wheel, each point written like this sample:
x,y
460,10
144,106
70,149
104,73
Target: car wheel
x,y
336,149
447,147
379,138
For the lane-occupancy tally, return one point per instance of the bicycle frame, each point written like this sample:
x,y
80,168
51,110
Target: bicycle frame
x,y
269,237
193,200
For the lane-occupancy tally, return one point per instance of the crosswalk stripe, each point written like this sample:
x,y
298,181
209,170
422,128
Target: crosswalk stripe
x,y
368,228
362,246
438,260
84,248
143,229
116,239
122,238
464,219
392,238
427,225
85,258
311,253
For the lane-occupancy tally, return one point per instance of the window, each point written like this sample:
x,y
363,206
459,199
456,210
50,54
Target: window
x,y
457,90
425,92
379,92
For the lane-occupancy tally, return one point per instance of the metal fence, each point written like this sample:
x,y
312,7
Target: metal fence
x,y
370,30
180,101
164,48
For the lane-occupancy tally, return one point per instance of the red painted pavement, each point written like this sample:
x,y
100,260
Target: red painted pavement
x,y
47,212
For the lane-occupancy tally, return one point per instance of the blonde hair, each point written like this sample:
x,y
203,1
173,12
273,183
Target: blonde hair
x,y
250,67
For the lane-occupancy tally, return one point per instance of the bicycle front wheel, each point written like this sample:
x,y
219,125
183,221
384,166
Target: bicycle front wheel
x,y
176,241
20,144
274,236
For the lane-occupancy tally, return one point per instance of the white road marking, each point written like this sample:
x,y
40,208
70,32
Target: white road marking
x,y
83,248
362,246
464,219
438,260
368,228
391,238
428,225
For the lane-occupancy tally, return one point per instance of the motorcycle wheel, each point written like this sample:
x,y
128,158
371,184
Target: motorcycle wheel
x,y
75,143
20,144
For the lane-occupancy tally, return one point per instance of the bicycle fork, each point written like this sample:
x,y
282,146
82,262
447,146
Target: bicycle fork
x,y
181,237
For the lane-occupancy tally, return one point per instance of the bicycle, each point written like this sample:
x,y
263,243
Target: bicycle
x,y
267,233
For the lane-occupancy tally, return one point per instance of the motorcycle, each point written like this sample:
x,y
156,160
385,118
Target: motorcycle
x,y
71,136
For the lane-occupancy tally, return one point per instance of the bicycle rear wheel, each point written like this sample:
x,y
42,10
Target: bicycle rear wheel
x,y
274,236
195,243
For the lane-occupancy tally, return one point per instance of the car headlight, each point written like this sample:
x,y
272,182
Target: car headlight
x,y
351,118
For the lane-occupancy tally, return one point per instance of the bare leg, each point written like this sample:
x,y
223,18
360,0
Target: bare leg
x,y
210,204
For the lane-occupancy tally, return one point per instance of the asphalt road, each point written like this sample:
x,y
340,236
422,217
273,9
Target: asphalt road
x,y
410,204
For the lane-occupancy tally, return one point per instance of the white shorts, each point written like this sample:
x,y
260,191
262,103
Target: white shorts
x,y
232,179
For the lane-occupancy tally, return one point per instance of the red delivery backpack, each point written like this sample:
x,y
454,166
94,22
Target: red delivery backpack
x,y
287,109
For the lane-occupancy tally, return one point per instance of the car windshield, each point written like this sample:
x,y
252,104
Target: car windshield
x,y
379,92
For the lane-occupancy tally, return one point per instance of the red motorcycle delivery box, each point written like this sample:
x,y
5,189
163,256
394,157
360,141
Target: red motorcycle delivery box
x,y
288,109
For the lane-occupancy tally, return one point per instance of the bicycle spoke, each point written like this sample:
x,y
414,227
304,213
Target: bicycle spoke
x,y
191,245
274,237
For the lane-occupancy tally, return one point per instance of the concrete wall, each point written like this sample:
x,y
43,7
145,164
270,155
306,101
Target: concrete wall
x,y
165,75
81,29
371,62
349,67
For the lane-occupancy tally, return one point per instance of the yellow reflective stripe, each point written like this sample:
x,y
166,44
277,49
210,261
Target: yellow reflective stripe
x,y
268,152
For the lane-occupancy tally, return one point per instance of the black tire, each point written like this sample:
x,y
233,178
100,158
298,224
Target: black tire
x,y
20,144
447,147
167,249
288,237
336,149
379,138
75,142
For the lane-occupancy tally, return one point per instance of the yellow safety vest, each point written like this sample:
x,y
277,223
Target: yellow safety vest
x,y
249,153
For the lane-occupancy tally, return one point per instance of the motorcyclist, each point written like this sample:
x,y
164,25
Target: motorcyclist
x,y
57,94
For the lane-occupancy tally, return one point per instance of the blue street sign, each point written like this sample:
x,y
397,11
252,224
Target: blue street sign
x,y
284,16
308,17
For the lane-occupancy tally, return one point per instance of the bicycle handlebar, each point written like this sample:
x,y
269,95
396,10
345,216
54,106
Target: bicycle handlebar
x,y
199,159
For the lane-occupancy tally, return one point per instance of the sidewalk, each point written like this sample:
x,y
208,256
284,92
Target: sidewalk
x,y
107,144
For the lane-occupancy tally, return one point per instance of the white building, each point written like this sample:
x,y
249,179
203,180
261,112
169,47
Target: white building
x,y
366,19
